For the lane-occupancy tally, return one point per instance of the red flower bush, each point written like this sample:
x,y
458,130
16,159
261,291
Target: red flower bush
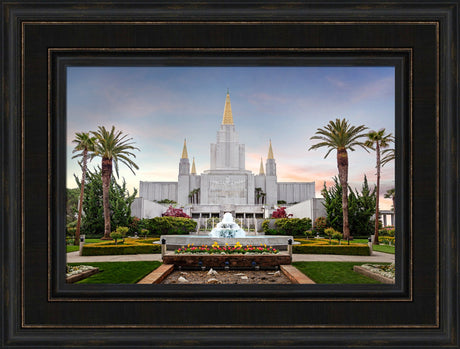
x,y
175,212
281,213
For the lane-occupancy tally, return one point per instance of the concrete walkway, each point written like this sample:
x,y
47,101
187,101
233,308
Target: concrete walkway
x,y
377,257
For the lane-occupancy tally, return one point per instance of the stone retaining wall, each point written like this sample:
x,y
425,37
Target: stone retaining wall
x,y
234,260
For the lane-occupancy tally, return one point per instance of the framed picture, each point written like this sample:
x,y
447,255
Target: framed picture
x,y
51,48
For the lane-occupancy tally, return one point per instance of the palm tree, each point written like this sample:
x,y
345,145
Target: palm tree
x,y
84,145
112,147
387,156
376,141
390,194
339,135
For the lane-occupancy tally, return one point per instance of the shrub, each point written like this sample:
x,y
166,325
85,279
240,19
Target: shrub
x,y
131,246
387,231
171,225
145,232
337,236
175,212
281,213
329,232
266,225
390,240
115,235
354,249
320,225
308,233
292,226
122,230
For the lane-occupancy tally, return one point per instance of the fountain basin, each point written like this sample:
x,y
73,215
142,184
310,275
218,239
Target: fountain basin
x,y
177,241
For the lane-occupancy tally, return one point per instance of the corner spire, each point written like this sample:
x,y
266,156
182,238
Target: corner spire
x,y
261,170
270,151
184,151
193,171
227,119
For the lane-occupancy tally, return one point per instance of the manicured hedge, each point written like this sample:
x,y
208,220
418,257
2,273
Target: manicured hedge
x,y
170,225
355,249
131,246
286,226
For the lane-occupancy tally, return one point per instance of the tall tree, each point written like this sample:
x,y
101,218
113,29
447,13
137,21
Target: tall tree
x,y
120,203
387,156
112,146
361,208
390,194
339,135
84,146
377,140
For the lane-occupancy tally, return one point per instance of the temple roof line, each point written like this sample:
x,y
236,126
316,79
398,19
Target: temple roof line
x,y
227,118
184,151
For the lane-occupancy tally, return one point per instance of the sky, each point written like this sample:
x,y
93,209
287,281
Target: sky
x,y
159,107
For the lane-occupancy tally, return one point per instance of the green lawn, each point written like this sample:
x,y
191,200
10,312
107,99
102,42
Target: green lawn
x,y
333,272
119,272
384,248
380,248
73,248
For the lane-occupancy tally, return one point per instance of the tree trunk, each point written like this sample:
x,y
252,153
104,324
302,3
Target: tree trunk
x,y
342,166
106,176
82,190
377,193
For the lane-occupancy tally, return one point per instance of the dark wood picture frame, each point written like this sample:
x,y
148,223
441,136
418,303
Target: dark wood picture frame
x,y
40,39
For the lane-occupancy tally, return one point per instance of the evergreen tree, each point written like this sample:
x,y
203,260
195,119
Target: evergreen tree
x,y
72,204
361,208
119,204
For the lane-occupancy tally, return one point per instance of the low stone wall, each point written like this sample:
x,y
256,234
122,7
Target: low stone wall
x,y
234,260
81,276
368,273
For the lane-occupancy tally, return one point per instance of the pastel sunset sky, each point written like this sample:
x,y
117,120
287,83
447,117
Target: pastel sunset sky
x,y
161,106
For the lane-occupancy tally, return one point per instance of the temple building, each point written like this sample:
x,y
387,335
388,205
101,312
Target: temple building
x,y
227,186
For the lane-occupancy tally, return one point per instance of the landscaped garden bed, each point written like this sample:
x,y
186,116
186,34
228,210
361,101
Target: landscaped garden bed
x,y
326,246
79,272
229,260
129,246
384,273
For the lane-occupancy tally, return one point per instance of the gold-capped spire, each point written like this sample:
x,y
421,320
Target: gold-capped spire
x,y
193,171
270,151
184,151
261,170
228,117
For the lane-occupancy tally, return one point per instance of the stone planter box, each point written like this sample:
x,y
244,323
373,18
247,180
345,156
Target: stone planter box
x,y
234,260
81,276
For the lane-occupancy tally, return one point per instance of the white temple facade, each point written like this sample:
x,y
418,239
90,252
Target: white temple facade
x,y
227,186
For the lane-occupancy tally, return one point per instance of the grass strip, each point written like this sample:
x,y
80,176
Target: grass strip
x,y
119,272
334,272
379,248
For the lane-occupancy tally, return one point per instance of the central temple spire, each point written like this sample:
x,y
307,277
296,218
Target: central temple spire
x,y
227,119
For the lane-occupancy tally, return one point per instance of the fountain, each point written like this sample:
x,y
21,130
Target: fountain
x,y
227,228
226,232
